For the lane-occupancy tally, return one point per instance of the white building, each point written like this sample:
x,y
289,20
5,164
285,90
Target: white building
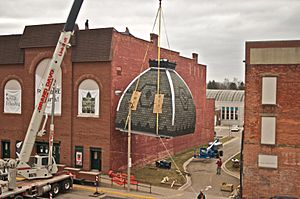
x,y
229,106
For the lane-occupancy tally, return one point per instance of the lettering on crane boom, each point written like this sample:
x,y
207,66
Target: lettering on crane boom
x,y
46,90
62,48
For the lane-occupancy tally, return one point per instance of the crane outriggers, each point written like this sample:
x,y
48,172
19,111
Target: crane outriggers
x,y
42,167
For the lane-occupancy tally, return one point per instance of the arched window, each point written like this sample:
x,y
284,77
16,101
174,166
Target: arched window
x,y
39,73
12,97
88,98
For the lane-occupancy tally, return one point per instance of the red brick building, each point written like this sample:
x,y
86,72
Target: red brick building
x,y
272,110
100,64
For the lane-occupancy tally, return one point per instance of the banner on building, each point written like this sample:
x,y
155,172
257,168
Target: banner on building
x,y
88,102
12,101
57,95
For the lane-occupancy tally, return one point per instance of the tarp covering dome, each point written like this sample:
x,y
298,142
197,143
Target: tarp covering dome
x,y
178,116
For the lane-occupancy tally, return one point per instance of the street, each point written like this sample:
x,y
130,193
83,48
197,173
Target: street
x,y
203,171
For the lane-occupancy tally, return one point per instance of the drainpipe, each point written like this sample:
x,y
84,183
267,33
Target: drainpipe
x,y
242,163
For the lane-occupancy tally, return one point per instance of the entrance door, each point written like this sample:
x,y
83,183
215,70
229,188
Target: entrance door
x,y
95,154
78,156
42,148
5,149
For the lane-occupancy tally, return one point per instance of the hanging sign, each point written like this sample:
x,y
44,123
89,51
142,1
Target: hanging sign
x,y
12,101
88,102
78,158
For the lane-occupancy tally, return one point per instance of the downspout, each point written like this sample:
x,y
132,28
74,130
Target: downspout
x,y
242,163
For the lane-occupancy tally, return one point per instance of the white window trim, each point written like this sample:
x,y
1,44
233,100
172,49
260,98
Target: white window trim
x,y
13,88
93,87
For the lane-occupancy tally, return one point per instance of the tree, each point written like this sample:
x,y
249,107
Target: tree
x,y
235,84
241,86
232,86
212,85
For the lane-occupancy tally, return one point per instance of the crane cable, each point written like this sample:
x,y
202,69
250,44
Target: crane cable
x,y
144,59
159,15
158,90
158,63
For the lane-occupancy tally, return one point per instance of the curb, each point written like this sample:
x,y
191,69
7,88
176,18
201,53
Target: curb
x,y
230,172
113,192
188,178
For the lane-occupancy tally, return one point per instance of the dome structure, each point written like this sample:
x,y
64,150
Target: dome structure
x,y
178,114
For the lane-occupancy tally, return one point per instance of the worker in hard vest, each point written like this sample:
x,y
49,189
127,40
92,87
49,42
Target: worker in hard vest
x,y
201,195
219,164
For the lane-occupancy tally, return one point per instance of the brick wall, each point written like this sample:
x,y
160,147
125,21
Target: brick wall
x,y
265,182
128,54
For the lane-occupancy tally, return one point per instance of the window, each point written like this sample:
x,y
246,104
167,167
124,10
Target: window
x,y
268,161
269,85
12,97
223,113
88,98
268,130
231,113
39,73
227,113
236,113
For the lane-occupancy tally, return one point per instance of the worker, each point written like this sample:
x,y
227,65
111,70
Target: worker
x,y
219,164
201,195
87,24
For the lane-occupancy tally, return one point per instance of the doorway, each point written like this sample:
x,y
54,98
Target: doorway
x,y
5,148
42,148
95,154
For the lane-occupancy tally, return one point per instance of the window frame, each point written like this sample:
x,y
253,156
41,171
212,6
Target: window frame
x,y
97,98
14,83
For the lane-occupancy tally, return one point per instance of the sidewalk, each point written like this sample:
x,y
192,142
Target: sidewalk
x,y
158,193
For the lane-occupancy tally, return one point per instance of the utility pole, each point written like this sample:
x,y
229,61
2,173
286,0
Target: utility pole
x,y
129,147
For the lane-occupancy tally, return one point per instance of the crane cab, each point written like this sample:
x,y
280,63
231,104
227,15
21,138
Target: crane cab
x,y
37,167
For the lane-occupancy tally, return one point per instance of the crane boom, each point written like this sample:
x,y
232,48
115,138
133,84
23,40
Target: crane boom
x,y
47,82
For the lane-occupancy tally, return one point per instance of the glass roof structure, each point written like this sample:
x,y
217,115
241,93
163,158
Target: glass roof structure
x,y
226,95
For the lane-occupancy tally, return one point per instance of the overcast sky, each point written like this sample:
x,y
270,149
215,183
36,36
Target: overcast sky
x,y
215,29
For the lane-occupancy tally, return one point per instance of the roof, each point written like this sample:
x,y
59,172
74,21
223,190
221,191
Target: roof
x,y
226,95
45,35
90,45
10,53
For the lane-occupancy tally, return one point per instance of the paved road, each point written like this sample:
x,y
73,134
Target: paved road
x,y
203,172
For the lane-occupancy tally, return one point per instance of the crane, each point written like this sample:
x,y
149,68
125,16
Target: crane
x,y
40,168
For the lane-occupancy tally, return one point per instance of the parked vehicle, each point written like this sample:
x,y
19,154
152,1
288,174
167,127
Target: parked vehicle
x,y
234,128
163,164
212,151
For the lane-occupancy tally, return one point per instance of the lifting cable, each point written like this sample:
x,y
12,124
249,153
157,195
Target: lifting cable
x,y
142,66
159,16
158,63
158,91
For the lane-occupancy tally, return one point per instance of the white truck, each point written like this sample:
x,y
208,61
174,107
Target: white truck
x,y
40,172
